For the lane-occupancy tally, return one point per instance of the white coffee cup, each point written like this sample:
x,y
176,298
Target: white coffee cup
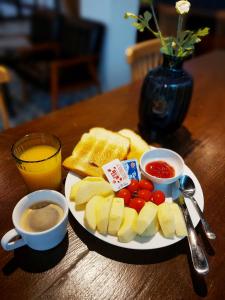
x,y
42,240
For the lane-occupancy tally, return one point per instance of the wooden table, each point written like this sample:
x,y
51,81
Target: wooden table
x,y
83,267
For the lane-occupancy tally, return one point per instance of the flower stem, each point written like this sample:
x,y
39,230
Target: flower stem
x,y
156,24
179,28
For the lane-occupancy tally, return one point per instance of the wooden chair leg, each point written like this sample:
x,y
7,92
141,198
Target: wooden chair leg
x,y
54,99
93,72
4,113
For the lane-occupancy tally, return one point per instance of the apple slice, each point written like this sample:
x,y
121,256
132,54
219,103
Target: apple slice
x,y
89,189
76,185
90,215
152,228
92,178
116,215
127,230
147,215
166,219
180,226
102,213
74,189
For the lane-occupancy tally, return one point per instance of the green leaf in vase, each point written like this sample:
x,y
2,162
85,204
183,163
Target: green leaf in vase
x,y
139,26
147,16
130,15
202,31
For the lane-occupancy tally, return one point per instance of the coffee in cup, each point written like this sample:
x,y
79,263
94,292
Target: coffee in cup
x,y
40,218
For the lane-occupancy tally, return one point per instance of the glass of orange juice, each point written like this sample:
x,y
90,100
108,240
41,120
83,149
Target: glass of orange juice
x,y
38,158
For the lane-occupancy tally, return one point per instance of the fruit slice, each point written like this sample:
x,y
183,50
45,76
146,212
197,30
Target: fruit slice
x,y
152,228
116,215
166,219
90,217
76,185
147,215
102,213
89,189
180,226
91,178
74,188
127,230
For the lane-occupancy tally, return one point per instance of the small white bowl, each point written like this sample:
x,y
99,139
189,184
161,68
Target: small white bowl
x,y
169,156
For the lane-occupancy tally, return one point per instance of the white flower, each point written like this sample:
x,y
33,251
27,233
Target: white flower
x,y
183,7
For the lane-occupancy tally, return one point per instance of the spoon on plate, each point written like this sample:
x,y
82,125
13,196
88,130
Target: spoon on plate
x,y
199,259
187,188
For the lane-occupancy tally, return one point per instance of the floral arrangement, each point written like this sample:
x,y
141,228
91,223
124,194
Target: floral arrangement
x,y
183,44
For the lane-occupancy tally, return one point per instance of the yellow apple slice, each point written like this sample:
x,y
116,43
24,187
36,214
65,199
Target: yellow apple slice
x,y
180,226
152,228
92,178
90,215
74,188
102,213
147,215
116,215
76,185
166,219
89,189
127,231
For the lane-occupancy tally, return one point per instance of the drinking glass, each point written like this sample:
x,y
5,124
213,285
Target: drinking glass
x,y
38,158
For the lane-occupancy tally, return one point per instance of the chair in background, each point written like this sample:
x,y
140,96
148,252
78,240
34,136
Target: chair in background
x,y
219,40
4,78
64,54
142,57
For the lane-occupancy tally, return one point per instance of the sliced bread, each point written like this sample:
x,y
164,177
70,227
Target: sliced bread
x,y
137,145
95,149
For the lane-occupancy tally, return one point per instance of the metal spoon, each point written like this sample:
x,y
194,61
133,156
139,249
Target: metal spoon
x,y
199,259
187,188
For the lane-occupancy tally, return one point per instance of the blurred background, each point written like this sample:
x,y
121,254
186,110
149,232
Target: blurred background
x,y
55,53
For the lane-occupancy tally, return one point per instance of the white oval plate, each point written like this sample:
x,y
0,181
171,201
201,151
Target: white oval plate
x,y
139,243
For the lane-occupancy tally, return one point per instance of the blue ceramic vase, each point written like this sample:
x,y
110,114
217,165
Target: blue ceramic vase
x,y
165,98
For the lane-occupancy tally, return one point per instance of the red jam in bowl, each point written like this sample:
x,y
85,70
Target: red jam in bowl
x,y
160,169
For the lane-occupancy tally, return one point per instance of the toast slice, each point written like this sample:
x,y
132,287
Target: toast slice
x,y
95,149
109,146
137,145
78,162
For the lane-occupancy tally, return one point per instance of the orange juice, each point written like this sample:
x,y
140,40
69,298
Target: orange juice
x,y
40,166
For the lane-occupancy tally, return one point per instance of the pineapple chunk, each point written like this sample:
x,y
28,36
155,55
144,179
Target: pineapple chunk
x,y
146,216
102,213
180,226
116,215
127,230
89,189
166,219
90,212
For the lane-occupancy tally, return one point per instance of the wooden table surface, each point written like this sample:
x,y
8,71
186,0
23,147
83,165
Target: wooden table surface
x,y
83,267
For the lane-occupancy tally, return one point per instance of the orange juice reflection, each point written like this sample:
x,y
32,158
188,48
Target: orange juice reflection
x,y
39,161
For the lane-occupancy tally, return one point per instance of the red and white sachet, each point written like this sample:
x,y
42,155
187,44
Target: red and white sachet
x,y
116,175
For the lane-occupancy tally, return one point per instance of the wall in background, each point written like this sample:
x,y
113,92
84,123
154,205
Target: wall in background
x,y
119,34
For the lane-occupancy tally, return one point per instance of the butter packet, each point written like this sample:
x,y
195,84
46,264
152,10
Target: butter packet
x,y
132,168
116,175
